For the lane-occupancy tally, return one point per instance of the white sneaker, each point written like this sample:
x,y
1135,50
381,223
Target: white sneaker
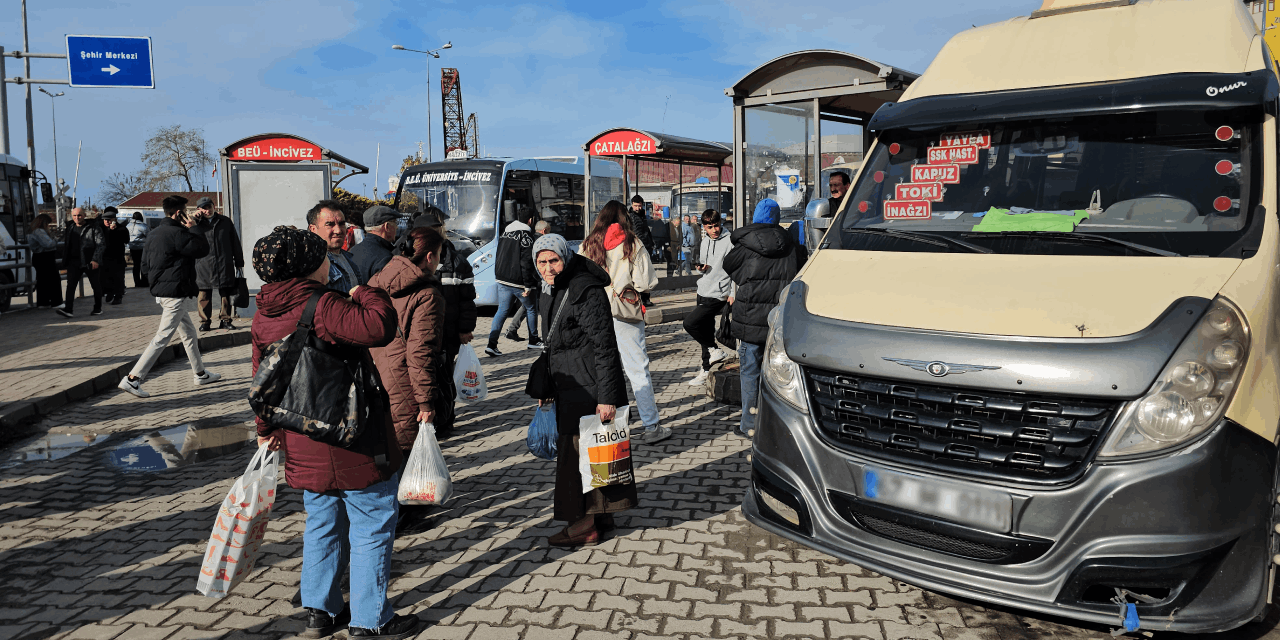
x,y
134,387
208,377
656,434
717,354
698,380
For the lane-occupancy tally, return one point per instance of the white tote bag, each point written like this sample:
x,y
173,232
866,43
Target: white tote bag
x,y
467,376
426,478
604,451
240,526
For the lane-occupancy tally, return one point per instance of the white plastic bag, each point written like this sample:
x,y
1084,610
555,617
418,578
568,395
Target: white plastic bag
x,y
468,378
604,451
426,478
240,527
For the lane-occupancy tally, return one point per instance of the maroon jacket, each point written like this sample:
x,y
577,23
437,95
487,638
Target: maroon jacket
x,y
367,320
410,364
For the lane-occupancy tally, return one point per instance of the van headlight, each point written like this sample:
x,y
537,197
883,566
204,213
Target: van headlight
x,y
1192,392
780,373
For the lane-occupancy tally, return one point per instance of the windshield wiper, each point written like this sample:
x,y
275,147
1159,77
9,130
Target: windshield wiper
x,y
925,237
1079,237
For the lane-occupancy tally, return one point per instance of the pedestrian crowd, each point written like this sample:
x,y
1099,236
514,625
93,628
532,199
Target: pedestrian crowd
x,y
400,304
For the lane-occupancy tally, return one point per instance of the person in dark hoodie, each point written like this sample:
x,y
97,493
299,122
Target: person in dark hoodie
x,y
763,261
349,493
640,223
586,368
116,238
412,364
517,280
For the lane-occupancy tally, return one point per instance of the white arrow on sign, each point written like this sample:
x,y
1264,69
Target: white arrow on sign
x,y
111,69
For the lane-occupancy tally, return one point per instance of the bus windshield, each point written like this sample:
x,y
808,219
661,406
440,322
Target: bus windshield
x,y
1178,181
467,194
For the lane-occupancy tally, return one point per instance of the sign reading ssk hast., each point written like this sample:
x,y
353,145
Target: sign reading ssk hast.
x,y
110,61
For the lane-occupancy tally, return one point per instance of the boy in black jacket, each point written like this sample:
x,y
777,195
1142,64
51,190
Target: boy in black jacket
x,y
517,280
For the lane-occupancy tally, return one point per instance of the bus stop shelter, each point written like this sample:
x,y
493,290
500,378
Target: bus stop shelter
x,y
800,117
681,174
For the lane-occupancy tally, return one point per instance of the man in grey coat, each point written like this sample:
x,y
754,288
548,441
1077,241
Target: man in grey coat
x,y
217,270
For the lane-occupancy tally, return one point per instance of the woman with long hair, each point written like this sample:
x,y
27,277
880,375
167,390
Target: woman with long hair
x,y
613,246
412,366
44,257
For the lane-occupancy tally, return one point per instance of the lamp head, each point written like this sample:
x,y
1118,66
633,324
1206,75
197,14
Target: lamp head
x,y
397,47
447,45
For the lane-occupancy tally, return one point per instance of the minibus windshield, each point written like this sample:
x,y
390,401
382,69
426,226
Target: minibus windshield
x,y
468,197
1176,181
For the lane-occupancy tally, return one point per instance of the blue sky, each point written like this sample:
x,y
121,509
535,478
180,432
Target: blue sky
x,y
541,77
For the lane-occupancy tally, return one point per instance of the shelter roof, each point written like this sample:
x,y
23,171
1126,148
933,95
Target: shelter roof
x,y
621,141
844,83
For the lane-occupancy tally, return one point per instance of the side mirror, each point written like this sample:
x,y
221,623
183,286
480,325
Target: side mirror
x,y
818,208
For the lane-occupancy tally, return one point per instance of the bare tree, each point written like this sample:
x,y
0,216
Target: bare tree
x,y
173,153
120,186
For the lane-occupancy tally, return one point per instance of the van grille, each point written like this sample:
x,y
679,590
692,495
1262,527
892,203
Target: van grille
x,y
971,432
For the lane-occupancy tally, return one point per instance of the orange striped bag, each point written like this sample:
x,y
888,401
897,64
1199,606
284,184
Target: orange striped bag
x,y
604,451
240,526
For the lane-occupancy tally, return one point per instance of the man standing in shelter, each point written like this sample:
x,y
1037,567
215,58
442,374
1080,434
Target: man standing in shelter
x,y
640,223
518,281
374,252
327,221
170,262
85,245
715,290
217,270
763,261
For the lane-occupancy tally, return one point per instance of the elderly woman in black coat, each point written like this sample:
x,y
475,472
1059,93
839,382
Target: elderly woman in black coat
x,y
586,369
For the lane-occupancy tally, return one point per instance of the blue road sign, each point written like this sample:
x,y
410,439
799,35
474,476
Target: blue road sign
x,y
110,61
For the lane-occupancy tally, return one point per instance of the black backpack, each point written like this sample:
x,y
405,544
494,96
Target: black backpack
x,y
324,391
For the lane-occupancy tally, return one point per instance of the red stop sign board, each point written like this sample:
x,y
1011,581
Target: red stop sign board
x,y
276,150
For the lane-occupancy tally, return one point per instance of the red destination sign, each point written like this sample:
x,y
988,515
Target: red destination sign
x,y
276,150
944,173
931,191
980,139
623,143
907,210
967,154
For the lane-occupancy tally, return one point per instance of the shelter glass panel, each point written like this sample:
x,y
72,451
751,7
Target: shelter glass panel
x,y
780,145
842,148
701,188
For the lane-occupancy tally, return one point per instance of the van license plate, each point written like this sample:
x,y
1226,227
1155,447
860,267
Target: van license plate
x,y
976,506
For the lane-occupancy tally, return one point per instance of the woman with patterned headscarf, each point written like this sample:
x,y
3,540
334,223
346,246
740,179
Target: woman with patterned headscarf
x,y
349,493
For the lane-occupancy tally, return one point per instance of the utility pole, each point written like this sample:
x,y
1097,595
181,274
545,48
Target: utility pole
x,y
4,108
31,129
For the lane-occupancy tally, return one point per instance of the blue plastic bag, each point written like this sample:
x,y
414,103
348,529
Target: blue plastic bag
x,y
543,433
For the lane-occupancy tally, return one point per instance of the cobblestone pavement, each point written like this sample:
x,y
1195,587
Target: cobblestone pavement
x,y
90,551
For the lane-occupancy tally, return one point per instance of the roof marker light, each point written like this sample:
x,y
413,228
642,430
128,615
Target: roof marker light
x,y
1222,203
895,148
878,176
1224,133
1224,167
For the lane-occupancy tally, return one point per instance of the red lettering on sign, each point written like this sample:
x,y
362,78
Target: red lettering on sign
x,y
980,139
944,173
967,154
907,210
931,191
623,143
276,150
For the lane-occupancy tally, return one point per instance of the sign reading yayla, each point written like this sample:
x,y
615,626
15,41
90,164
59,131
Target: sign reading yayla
x,y
618,143
277,150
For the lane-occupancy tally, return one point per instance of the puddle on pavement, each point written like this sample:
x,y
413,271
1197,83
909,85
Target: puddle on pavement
x,y
180,446
53,446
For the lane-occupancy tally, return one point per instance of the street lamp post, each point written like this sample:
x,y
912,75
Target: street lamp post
x,y
434,53
53,108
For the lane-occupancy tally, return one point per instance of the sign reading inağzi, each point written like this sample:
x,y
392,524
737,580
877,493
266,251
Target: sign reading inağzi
x,y
277,150
623,143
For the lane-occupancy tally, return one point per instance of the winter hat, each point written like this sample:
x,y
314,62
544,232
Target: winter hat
x,y
766,212
288,252
637,198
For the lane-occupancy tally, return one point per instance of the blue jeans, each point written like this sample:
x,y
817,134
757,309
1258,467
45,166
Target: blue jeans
x,y
505,294
356,529
749,358
635,362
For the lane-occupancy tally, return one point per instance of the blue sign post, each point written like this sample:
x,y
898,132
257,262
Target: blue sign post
x,y
110,61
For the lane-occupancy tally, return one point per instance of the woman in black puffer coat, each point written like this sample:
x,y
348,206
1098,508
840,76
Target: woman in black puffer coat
x,y
586,367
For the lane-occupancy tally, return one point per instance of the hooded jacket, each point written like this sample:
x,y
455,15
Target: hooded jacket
x,y
169,259
514,263
411,365
585,362
764,259
217,270
640,226
637,273
366,320
115,241
457,281
715,283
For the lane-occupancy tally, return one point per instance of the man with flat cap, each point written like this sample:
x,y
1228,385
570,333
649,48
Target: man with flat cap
x,y
374,252
217,270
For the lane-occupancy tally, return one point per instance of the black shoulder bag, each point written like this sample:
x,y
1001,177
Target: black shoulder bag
x,y
540,385
311,387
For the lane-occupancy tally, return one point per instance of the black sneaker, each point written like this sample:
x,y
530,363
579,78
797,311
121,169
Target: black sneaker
x,y
492,352
226,324
320,624
400,627
535,344
115,301
96,312
513,336
205,326
62,311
